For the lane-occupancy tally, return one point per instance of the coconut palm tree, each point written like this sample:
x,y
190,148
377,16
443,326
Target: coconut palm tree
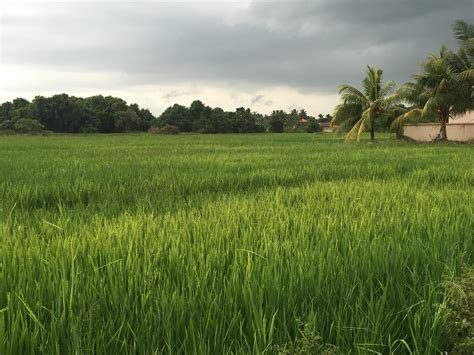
x,y
437,92
360,110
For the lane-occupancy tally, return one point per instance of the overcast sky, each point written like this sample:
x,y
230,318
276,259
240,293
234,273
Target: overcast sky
x,y
260,54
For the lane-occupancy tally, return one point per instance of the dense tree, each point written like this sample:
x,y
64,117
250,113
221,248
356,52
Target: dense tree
x,y
198,111
6,109
20,108
277,126
145,117
60,113
221,121
248,121
277,121
105,112
176,115
69,114
303,114
313,126
326,118
127,121
201,118
360,110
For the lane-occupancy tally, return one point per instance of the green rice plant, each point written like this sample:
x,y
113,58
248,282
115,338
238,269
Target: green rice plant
x,y
230,244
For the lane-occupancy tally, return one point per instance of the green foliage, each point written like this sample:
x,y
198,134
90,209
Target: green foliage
x,y
7,125
107,114
277,125
224,244
204,119
127,121
248,122
327,118
313,126
69,114
176,115
27,125
22,125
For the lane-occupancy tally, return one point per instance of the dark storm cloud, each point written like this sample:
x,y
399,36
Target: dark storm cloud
x,y
308,45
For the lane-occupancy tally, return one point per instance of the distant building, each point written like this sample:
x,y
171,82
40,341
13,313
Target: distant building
x,y
327,127
461,129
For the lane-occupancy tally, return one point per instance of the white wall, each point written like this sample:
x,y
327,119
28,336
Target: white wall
x,y
425,132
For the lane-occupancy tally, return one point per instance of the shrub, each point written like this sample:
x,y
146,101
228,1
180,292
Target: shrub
x,y
7,125
313,127
27,125
166,129
153,130
458,331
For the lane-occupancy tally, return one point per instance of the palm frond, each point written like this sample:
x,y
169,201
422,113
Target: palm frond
x,y
356,131
463,31
372,83
410,116
429,107
388,88
467,74
346,125
345,112
410,92
350,94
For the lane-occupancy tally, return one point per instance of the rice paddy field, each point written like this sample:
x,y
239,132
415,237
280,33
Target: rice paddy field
x,y
219,244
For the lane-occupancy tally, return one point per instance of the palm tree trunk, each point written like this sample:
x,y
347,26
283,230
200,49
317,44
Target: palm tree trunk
x,y
372,131
443,135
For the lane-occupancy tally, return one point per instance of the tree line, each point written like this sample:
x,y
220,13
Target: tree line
x,y
201,118
106,114
441,91
69,114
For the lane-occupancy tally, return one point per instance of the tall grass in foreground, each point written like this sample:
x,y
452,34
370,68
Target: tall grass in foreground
x,y
229,244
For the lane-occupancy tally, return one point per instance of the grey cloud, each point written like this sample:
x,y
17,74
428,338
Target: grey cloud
x,y
176,94
310,45
257,98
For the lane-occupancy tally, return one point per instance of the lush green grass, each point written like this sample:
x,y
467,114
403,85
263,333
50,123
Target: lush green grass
x,y
229,243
